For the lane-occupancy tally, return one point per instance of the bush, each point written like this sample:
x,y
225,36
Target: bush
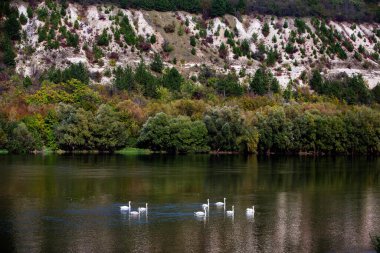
x,y
170,28
167,47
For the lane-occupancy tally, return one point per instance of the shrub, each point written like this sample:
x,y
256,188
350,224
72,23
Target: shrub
x,y
167,47
170,28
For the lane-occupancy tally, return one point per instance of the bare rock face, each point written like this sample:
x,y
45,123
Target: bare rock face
x,y
104,37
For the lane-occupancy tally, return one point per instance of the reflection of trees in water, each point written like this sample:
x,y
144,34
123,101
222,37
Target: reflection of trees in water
x,y
304,204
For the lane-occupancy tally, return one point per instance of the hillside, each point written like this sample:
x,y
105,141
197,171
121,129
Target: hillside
x,y
287,45
100,78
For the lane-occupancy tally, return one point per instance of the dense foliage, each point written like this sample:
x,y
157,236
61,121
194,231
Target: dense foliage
x,y
157,108
365,10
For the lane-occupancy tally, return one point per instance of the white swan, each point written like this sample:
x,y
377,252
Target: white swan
x,y
251,211
144,209
231,212
200,213
206,205
126,208
134,213
221,203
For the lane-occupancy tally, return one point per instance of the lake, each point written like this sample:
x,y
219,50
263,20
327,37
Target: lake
x,y
71,203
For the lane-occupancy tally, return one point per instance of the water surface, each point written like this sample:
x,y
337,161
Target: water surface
x,y
70,203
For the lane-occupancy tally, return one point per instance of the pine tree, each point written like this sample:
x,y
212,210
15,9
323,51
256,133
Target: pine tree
x,y
157,64
12,27
218,8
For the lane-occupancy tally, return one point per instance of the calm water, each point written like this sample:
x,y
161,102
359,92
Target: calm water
x,y
71,203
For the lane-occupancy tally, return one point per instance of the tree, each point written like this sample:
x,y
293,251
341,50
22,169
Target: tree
x,y
12,26
264,82
193,41
225,128
29,11
76,71
266,29
21,140
103,39
223,51
172,79
9,55
23,19
218,8
124,79
229,85
109,132
157,64
376,93
275,130
173,134
74,130
146,80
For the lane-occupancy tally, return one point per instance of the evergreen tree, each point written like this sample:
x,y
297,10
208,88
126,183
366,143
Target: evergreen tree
x,y
157,64
218,8
12,26
172,79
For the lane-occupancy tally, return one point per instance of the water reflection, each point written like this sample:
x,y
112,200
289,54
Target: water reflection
x,y
72,203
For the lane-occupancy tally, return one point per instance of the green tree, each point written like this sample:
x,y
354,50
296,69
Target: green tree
x,y
266,29
74,130
218,8
264,82
21,140
23,19
12,26
157,64
109,132
229,86
172,79
225,128
173,134
124,79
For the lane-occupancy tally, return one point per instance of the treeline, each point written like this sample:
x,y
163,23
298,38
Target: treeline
x,y
361,10
321,128
162,111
